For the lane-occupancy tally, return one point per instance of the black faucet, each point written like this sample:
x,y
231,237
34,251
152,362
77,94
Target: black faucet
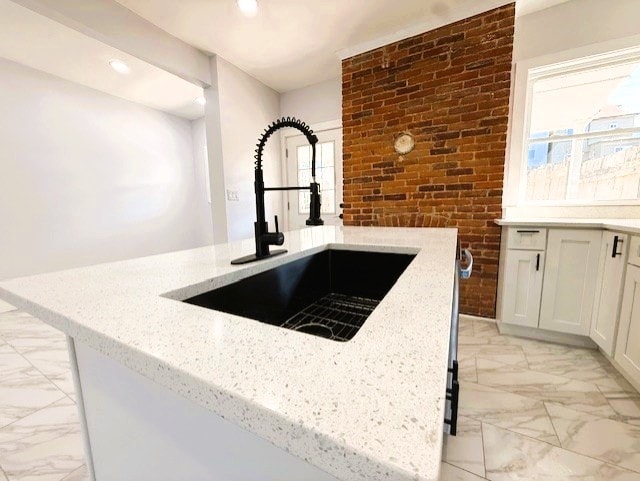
x,y
264,238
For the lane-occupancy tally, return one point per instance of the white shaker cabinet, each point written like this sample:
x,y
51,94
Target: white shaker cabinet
x,y
606,307
628,343
523,287
571,269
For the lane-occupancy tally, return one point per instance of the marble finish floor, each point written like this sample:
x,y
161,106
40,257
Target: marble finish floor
x,y
537,411
40,437
529,410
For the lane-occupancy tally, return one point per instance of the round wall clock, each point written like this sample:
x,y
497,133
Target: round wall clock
x,y
404,143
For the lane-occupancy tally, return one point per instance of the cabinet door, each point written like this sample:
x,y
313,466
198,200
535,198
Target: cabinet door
x,y
523,287
606,305
628,344
569,283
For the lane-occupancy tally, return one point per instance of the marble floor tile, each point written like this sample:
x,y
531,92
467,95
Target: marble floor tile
x,y
580,364
578,395
480,332
626,406
6,307
513,457
467,369
465,449
517,413
465,327
27,334
532,346
23,389
610,441
80,474
64,382
3,477
485,329
618,385
502,353
452,473
45,446
52,361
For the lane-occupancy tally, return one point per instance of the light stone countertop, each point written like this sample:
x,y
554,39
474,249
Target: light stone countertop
x,y
368,409
631,226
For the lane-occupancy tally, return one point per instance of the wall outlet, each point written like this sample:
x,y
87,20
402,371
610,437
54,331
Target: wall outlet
x,y
233,195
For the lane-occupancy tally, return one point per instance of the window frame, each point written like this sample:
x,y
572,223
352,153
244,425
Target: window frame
x,y
612,58
514,202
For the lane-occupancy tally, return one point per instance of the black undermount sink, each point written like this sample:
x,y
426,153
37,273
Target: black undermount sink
x,y
330,294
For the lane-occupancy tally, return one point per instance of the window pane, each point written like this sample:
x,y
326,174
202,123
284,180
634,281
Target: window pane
x,y
325,176
612,172
328,202
304,177
304,199
584,136
326,154
304,157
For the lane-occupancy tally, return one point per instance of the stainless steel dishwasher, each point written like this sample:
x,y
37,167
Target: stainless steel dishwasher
x,y
453,388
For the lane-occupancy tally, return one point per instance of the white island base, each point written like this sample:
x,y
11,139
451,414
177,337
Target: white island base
x,y
137,430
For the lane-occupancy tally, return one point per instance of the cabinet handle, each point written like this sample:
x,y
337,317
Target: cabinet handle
x,y
528,231
538,261
616,241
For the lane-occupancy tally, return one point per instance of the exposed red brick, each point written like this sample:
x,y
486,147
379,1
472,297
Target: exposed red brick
x,y
450,88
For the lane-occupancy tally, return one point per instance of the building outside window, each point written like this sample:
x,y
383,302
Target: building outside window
x,y
583,131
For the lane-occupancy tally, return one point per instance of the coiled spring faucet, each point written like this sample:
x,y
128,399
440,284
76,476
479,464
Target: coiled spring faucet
x,y
264,238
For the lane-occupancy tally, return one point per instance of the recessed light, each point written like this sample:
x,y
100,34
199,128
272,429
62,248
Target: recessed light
x,y
119,66
201,100
248,7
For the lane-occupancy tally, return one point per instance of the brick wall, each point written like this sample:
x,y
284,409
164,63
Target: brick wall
x,y
449,88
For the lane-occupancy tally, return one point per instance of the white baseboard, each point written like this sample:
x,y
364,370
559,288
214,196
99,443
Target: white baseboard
x,y
544,335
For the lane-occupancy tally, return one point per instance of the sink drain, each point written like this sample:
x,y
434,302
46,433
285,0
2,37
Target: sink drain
x,y
315,329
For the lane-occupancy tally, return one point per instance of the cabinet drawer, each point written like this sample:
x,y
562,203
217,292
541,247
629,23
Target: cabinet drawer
x,y
634,251
529,238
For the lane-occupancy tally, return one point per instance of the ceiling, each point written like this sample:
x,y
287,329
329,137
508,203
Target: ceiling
x,y
289,44
295,43
38,42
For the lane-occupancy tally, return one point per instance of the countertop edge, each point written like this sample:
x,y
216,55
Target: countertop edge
x,y
631,226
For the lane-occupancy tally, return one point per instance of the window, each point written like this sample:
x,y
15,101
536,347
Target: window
x,y
583,132
325,176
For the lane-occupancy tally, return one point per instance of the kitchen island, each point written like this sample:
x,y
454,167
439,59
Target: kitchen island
x,y
169,390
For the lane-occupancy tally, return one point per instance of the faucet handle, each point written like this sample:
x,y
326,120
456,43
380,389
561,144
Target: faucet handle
x,y
277,237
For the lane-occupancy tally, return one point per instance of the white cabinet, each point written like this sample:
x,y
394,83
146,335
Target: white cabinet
x,y
611,268
523,287
628,344
571,269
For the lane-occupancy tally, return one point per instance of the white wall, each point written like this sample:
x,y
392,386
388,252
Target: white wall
x,y
200,160
317,103
88,178
246,108
574,24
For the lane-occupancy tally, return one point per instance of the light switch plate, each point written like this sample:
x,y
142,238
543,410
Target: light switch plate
x,y
233,195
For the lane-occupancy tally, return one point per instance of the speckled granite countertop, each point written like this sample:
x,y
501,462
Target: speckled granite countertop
x,y
370,409
624,225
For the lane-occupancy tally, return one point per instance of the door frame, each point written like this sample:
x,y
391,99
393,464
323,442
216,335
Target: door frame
x,y
290,132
